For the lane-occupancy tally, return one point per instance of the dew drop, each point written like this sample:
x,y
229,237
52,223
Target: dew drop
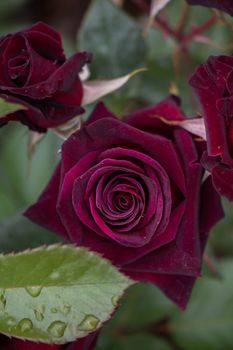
x,y
115,300
25,325
57,329
10,321
89,323
54,310
39,313
2,300
34,291
65,309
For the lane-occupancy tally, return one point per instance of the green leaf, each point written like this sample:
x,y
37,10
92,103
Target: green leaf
x,y
7,107
207,322
57,294
18,188
114,38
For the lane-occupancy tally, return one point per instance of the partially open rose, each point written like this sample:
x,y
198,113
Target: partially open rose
x,y
132,190
213,83
223,5
35,73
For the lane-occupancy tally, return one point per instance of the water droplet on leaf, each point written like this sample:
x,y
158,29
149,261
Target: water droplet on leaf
x,y
115,300
54,310
10,321
39,313
89,323
57,329
25,325
34,291
65,309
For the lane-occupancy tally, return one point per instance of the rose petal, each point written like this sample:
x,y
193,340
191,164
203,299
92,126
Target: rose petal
x,y
61,80
46,41
177,288
44,211
209,81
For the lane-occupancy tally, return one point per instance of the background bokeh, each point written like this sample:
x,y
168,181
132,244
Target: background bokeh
x,y
121,41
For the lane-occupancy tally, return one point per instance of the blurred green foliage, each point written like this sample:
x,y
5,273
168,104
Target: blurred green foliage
x,y
120,44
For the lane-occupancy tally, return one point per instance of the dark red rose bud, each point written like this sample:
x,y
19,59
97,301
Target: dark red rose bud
x,y
35,73
223,5
132,190
213,83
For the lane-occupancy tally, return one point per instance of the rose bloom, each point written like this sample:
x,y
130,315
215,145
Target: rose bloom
x,y
35,73
213,83
132,190
223,5
87,343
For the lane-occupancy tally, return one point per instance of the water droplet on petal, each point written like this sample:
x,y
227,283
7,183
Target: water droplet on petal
x,y
25,325
115,300
57,329
65,309
34,291
89,323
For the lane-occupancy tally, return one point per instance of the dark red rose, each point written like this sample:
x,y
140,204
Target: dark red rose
x,y
213,83
87,343
35,73
223,5
132,190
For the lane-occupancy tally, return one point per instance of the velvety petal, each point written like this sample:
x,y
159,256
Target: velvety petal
x,y
61,80
152,169
208,81
85,236
62,106
222,178
149,119
27,116
211,210
222,175
64,205
223,5
121,255
184,255
107,133
90,217
100,111
177,288
46,41
37,74
43,212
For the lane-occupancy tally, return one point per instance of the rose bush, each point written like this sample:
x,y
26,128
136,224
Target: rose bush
x,y
35,73
223,5
213,83
87,343
132,190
